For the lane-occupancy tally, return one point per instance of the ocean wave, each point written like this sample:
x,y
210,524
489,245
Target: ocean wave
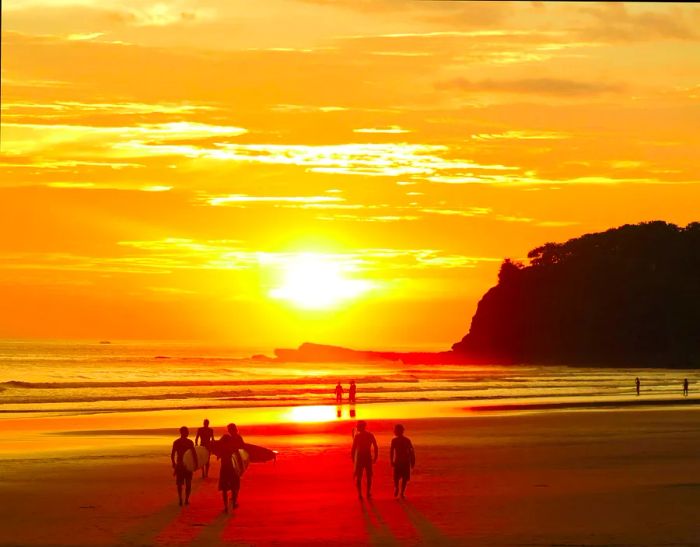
x,y
306,380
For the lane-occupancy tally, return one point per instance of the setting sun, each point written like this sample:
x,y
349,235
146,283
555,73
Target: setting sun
x,y
312,414
313,281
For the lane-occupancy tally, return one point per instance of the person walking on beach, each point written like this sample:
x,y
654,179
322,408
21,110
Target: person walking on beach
x,y
205,436
364,453
182,475
685,387
352,393
338,393
638,383
229,475
403,459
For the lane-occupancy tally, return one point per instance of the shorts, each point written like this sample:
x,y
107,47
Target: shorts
x,y
402,471
363,463
182,474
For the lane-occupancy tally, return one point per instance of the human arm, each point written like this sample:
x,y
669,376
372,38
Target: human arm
x,y
196,438
375,448
392,452
353,449
412,454
172,455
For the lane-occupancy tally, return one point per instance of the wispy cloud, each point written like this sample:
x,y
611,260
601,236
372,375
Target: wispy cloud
x,y
110,186
373,159
521,135
78,107
392,129
85,36
29,138
533,180
223,254
536,86
242,199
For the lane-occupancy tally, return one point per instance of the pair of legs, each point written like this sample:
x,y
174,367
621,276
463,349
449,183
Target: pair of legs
x,y
233,485
367,468
183,477
402,475
205,469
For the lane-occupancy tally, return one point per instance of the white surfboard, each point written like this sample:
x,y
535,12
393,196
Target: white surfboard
x,y
246,460
202,458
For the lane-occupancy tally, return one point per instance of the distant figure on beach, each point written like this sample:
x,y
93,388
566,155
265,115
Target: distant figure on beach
x,y
363,446
205,436
229,480
338,393
685,387
403,459
182,475
353,392
638,383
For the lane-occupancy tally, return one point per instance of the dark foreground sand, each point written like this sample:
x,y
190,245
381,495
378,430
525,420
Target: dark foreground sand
x,y
564,478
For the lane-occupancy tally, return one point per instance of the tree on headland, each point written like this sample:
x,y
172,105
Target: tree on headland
x,y
627,296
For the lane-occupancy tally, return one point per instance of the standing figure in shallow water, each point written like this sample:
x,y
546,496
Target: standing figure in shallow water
x,y
352,394
638,383
685,387
338,393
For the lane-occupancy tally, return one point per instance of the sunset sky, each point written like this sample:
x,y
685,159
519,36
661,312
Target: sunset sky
x,y
351,172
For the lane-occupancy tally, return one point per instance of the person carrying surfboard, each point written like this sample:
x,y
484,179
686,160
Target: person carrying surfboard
x,y
205,436
363,446
182,474
229,479
403,459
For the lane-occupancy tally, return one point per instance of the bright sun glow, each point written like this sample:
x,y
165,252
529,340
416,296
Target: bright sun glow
x,y
314,282
309,414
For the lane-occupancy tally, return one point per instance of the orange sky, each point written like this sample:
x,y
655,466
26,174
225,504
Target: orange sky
x,y
166,165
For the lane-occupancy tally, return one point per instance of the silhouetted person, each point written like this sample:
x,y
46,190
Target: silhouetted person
x,y
182,475
353,391
403,459
229,479
638,384
363,444
205,436
338,393
685,387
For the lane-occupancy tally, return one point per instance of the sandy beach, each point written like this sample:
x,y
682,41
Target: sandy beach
x,y
622,477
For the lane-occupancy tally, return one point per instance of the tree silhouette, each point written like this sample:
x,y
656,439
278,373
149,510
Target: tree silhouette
x,y
627,296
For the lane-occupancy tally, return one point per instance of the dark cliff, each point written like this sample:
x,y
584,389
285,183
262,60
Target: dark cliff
x,y
627,296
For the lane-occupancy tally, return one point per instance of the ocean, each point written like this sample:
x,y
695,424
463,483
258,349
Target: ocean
x,y
55,378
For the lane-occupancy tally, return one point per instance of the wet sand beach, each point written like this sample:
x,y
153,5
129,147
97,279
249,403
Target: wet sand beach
x,y
585,477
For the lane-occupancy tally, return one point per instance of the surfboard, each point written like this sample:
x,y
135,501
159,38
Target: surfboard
x,y
256,454
245,458
202,458
259,454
